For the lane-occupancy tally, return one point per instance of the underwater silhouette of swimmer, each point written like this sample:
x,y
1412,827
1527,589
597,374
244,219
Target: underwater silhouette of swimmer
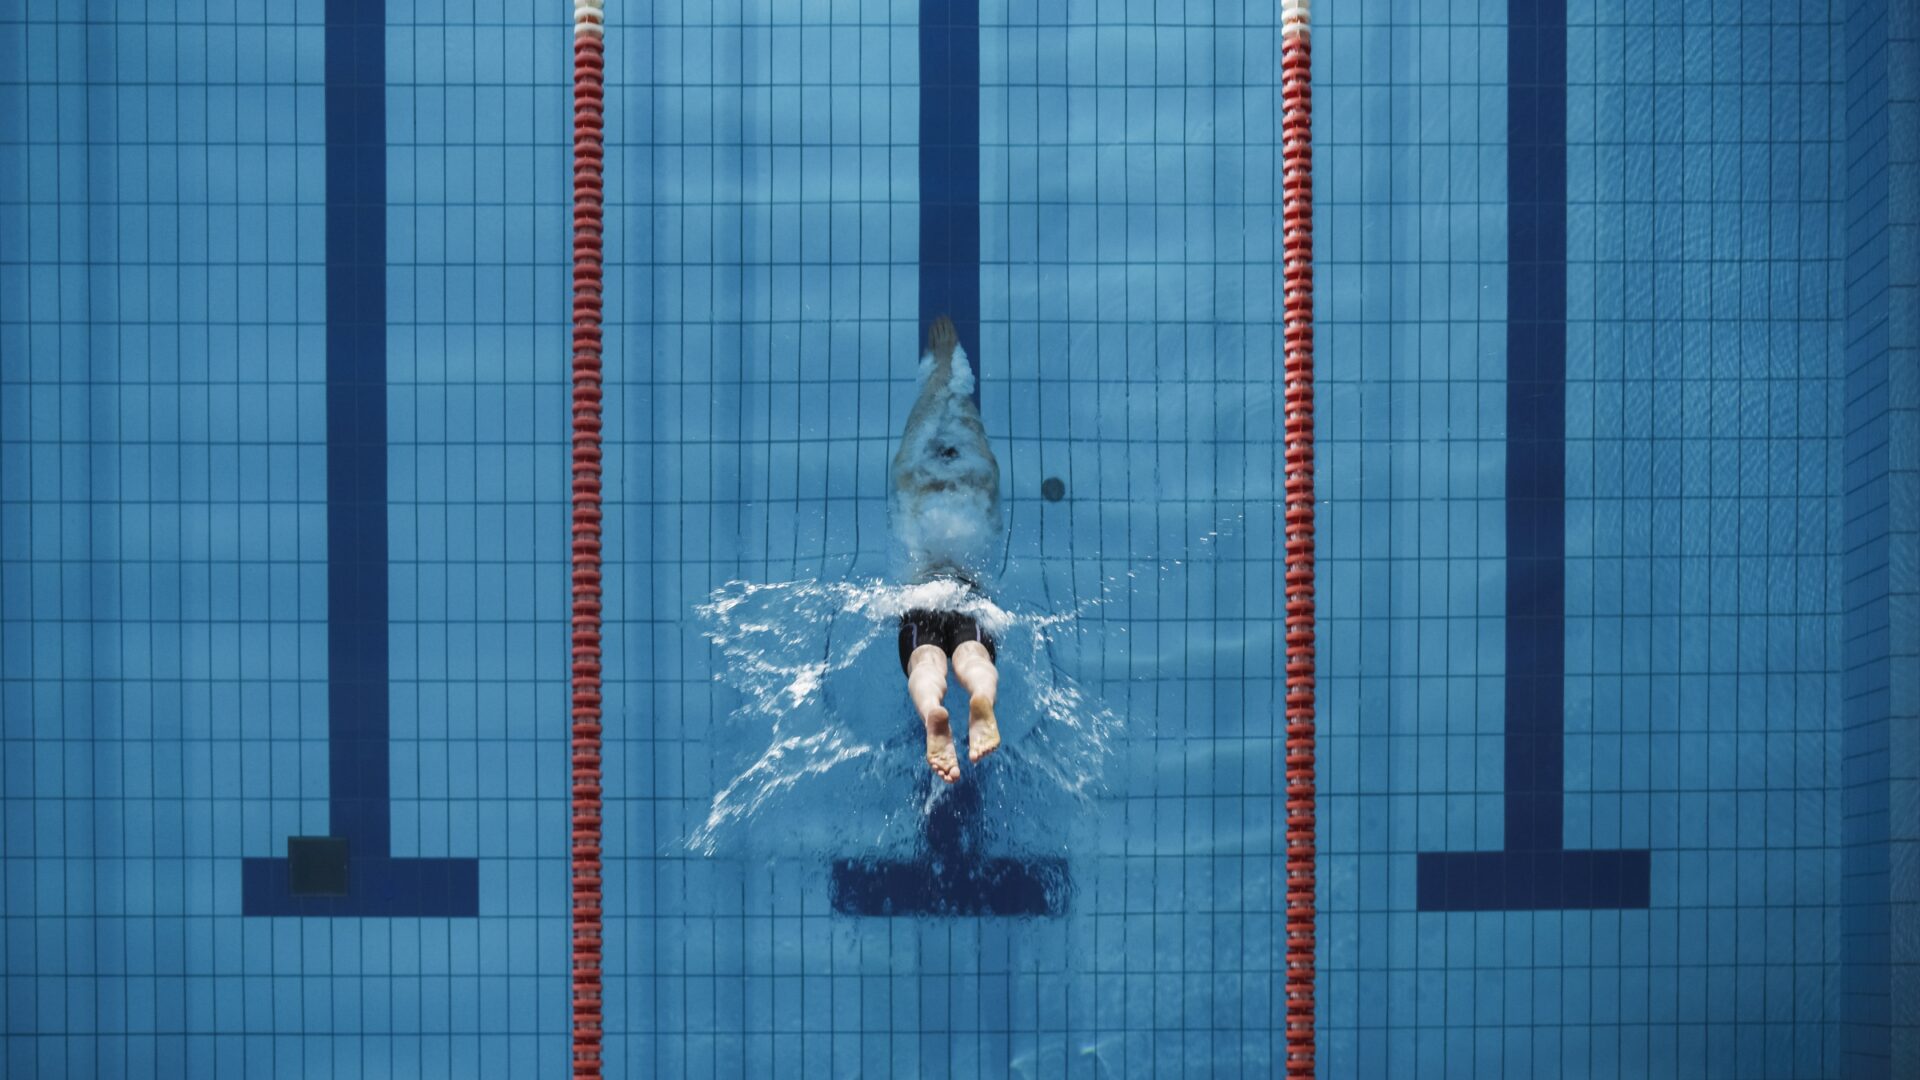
x,y
946,507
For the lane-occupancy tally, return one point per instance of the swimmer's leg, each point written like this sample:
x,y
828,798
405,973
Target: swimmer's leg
x,y
973,665
926,685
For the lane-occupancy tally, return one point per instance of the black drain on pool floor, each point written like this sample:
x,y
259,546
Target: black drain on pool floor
x,y
1053,489
317,865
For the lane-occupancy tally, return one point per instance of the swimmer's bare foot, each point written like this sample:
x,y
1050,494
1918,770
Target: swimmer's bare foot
x,y
983,731
940,753
941,338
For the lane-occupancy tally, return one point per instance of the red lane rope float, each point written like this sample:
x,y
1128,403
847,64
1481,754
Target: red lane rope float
x,y
588,68
1296,97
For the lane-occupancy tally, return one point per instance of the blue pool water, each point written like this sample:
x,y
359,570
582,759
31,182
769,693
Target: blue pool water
x,y
1618,431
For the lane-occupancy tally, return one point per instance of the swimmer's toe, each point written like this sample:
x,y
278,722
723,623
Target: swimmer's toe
x,y
940,753
983,730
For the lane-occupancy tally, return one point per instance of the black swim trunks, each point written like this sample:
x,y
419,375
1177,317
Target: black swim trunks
x,y
946,629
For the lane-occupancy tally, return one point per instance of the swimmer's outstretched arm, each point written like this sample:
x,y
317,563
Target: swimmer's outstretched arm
x,y
942,340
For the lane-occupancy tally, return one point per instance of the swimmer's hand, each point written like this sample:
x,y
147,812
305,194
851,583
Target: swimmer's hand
x,y
941,338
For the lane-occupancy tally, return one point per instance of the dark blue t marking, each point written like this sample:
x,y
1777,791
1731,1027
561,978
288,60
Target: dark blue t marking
x,y
950,170
951,876
376,884
1535,871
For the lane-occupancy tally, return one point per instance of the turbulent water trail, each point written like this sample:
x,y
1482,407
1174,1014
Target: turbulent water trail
x,y
825,750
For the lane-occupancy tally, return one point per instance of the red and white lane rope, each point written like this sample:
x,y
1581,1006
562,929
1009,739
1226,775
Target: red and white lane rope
x,y
588,66
1296,126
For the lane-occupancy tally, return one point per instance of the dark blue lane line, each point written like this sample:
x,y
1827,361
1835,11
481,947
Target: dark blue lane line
x,y
1534,871
357,429
357,664
951,875
1536,428
950,170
